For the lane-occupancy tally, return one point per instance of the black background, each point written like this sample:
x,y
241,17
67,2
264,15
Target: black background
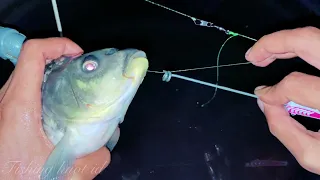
x,y
166,132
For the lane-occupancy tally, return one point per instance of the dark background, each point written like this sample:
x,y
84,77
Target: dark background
x,y
166,133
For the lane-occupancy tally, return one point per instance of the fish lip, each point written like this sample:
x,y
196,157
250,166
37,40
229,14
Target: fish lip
x,y
138,54
131,84
129,57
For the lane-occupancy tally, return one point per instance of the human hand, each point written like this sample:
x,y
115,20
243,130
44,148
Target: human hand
x,y
24,147
298,87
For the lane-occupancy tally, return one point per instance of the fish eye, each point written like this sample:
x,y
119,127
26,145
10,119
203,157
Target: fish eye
x,y
111,51
90,63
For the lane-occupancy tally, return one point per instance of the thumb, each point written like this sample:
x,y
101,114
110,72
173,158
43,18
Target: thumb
x,y
29,71
298,87
285,44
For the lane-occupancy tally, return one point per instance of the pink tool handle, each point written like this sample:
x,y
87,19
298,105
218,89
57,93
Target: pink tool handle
x,y
296,109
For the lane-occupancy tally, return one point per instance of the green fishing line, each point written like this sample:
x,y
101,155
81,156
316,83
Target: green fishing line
x,y
218,59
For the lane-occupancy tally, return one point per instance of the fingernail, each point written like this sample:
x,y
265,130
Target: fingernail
x,y
73,56
259,87
260,104
248,51
271,58
257,90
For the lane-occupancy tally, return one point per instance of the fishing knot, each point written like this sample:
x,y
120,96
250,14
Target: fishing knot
x,y
166,76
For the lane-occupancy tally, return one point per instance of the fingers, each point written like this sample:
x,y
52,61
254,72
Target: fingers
x,y
302,89
296,138
28,74
91,165
298,87
302,42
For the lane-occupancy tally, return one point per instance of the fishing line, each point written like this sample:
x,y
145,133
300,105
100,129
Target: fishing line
x,y
201,68
203,23
57,16
217,66
198,22
168,75
217,81
291,107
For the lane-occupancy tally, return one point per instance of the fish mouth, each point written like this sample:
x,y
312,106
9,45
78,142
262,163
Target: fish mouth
x,y
138,54
135,69
135,65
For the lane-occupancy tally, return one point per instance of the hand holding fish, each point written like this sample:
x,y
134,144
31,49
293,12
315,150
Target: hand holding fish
x,y
298,87
24,147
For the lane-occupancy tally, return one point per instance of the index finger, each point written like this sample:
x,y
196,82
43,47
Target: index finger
x,y
28,74
302,42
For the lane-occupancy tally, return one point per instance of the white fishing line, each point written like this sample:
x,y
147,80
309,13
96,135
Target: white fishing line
x,y
57,17
203,23
201,68
168,75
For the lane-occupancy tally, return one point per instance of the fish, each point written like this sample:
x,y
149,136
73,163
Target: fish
x,y
84,100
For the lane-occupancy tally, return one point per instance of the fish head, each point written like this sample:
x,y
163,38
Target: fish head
x,y
96,86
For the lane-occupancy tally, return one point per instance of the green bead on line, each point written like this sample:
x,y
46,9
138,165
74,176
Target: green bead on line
x,y
232,33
